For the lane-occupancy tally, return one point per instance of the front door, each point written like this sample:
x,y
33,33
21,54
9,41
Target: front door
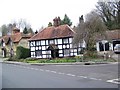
x,y
55,53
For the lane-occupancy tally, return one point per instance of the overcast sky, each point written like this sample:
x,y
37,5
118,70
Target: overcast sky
x,y
39,12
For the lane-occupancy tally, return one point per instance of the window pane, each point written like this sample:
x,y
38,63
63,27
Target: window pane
x,y
42,42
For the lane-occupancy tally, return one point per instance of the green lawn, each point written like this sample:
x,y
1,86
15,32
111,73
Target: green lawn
x,y
61,60
66,60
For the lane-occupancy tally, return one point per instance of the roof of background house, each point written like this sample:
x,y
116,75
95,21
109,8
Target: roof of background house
x,y
114,34
54,32
15,37
110,35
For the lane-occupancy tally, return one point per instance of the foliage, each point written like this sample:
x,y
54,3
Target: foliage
x,y
25,31
4,30
22,23
88,30
66,20
22,52
110,13
30,31
49,24
7,29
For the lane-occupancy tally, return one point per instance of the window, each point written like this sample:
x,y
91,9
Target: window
x,y
70,45
70,40
66,52
51,41
56,41
43,48
43,52
60,51
65,40
60,55
32,54
60,46
59,41
37,48
42,42
46,42
32,48
37,43
39,53
32,43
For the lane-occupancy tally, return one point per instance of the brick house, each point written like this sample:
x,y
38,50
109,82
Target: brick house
x,y
107,45
10,42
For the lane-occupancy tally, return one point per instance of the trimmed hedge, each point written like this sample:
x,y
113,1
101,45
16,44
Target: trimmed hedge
x,y
22,53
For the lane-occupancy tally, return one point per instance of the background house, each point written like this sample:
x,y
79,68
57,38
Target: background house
x,y
107,45
54,41
10,42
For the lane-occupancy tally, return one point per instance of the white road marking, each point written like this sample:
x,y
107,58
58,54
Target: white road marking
x,y
82,76
53,71
36,69
24,67
94,78
99,79
116,81
41,69
47,70
70,75
32,68
61,73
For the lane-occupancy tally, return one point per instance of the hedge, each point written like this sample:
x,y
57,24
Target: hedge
x,y
22,53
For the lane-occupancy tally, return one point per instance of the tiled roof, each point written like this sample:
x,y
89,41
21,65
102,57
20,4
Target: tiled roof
x,y
54,32
15,37
114,34
110,35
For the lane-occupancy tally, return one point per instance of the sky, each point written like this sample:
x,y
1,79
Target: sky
x,y
40,12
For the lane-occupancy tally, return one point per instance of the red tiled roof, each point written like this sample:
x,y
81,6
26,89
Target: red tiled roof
x,y
54,32
15,37
114,34
110,35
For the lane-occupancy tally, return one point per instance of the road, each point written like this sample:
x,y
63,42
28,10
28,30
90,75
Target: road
x,y
59,76
0,74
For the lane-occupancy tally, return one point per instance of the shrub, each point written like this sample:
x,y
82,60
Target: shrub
x,y
22,52
12,59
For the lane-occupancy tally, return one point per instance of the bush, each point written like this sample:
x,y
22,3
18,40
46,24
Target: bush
x,y
22,52
12,59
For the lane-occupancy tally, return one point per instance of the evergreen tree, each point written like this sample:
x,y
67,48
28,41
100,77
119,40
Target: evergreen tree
x,y
25,31
30,30
49,24
66,20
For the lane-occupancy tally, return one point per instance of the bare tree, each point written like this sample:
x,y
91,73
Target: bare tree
x,y
110,13
88,30
22,23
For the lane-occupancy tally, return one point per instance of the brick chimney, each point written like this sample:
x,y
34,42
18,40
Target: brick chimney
x,y
15,30
81,20
56,21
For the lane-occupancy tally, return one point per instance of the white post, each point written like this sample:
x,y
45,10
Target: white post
x,y
104,52
103,42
